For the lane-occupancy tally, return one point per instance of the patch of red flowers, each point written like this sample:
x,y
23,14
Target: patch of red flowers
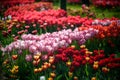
x,y
28,7
105,3
97,58
74,1
5,4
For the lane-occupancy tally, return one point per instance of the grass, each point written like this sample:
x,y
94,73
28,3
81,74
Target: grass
x,y
99,11
108,12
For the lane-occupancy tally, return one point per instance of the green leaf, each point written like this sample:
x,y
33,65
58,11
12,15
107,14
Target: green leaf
x,y
60,76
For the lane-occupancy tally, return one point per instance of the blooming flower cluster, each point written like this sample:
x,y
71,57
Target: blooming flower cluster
x,y
47,0
50,20
76,59
32,47
105,3
30,14
69,61
35,16
73,1
8,3
104,22
14,70
28,7
99,22
84,56
107,37
111,30
50,42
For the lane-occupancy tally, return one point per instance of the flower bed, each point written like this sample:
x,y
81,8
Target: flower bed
x,y
73,1
50,42
9,3
104,3
106,29
41,22
108,37
29,7
51,45
65,63
5,4
52,20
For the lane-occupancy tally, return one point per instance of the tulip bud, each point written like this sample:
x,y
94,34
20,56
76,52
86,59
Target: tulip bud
x,y
34,25
14,57
6,62
44,57
49,64
52,74
87,58
51,61
27,27
93,78
86,52
50,78
38,54
95,66
53,67
86,49
90,52
96,63
68,63
36,57
28,58
16,67
105,70
44,67
70,74
34,32
36,62
73,46
40,69
75,78
45,63
51,57
36,70
82,46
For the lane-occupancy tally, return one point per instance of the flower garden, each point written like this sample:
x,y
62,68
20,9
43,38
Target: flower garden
x,y
39,42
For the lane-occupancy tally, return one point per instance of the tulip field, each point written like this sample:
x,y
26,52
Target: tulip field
x,y
41,41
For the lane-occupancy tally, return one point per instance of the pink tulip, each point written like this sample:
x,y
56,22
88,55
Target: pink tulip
x,y
50,42
28,58
87,36
19,51
27,27
33,49
34,32
44,57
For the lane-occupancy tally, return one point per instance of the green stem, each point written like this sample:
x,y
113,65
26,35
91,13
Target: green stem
x,y
86,70
66,77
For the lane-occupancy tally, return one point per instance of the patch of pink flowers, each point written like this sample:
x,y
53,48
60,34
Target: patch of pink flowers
x,y
104,22
50,42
